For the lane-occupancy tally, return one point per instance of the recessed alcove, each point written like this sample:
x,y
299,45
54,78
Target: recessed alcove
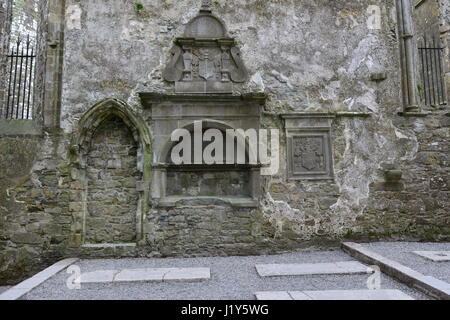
x,y
237,183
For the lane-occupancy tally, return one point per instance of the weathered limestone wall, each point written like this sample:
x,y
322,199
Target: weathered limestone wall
x,y
25,19
307,56
444,29
5,30
112,176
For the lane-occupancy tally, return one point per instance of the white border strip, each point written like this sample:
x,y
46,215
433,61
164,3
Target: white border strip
x,y
427,284
26,286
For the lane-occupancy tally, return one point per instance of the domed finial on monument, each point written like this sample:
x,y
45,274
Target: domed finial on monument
x,y
206,6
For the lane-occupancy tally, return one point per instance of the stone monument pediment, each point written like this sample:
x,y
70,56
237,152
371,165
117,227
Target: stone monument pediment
x,y
205,59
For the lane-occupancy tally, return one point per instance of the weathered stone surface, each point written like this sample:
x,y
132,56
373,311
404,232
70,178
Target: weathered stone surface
x,y
112,197
141,275
436,256
382,294
147,275
273,295
297,54
100,276
277,270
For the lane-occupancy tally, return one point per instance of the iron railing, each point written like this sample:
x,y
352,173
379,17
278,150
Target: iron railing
x,y
19,100
433,83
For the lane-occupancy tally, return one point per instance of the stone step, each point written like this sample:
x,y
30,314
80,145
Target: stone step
x,y
435,256
385,294
146,275
280,270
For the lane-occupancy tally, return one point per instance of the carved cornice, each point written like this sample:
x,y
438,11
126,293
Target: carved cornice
x,y
149,98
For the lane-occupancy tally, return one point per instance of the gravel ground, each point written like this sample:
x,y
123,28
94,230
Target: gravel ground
x,y
233,278
402,252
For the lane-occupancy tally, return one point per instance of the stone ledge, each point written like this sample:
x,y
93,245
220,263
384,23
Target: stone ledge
x,y
149,98
428,285
326,115
108,245
174,201
414,114
19,128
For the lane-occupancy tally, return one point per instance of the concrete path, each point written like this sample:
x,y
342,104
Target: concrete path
x,y
334,295
146,275
279,270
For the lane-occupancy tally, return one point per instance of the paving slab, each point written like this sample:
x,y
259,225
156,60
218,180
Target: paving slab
x,y
435,256
299,295
136,275
146,275
384,294
100,276
279,270
273,295
188,274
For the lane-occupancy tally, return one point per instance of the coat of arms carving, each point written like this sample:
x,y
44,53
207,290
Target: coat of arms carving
x,y
205,60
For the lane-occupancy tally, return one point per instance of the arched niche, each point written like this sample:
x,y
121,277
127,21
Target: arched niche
x,y
201,180
96,119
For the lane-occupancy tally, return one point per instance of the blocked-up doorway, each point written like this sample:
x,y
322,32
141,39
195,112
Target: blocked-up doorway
x,y
112,174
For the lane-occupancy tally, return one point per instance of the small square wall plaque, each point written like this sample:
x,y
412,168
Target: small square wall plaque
x,y
309,147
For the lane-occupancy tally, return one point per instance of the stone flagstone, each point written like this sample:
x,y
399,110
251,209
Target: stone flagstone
x,y
188,274
100,276
277,270
385,294
147,275
436,256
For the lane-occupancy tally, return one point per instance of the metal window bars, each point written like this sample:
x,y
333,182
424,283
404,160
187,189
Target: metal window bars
x,y
19,100
433,89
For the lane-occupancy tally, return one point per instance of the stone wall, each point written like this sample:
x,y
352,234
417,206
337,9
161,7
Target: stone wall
x,y
213,183
306,56
5,30
112,175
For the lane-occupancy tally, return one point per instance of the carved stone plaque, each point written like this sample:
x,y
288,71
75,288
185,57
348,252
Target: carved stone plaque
x,y
308,155
309,147
205,60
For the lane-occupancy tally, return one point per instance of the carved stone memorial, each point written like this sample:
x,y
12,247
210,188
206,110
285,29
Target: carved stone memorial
x,y
309,146
205,59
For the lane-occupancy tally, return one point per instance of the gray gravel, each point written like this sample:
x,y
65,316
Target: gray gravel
x,y
233,278
402,252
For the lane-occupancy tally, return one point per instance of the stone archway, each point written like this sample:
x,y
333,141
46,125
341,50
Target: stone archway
x,y
112,163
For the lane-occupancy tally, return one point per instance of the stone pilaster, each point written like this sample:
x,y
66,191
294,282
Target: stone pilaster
x,y
407,55
445,41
